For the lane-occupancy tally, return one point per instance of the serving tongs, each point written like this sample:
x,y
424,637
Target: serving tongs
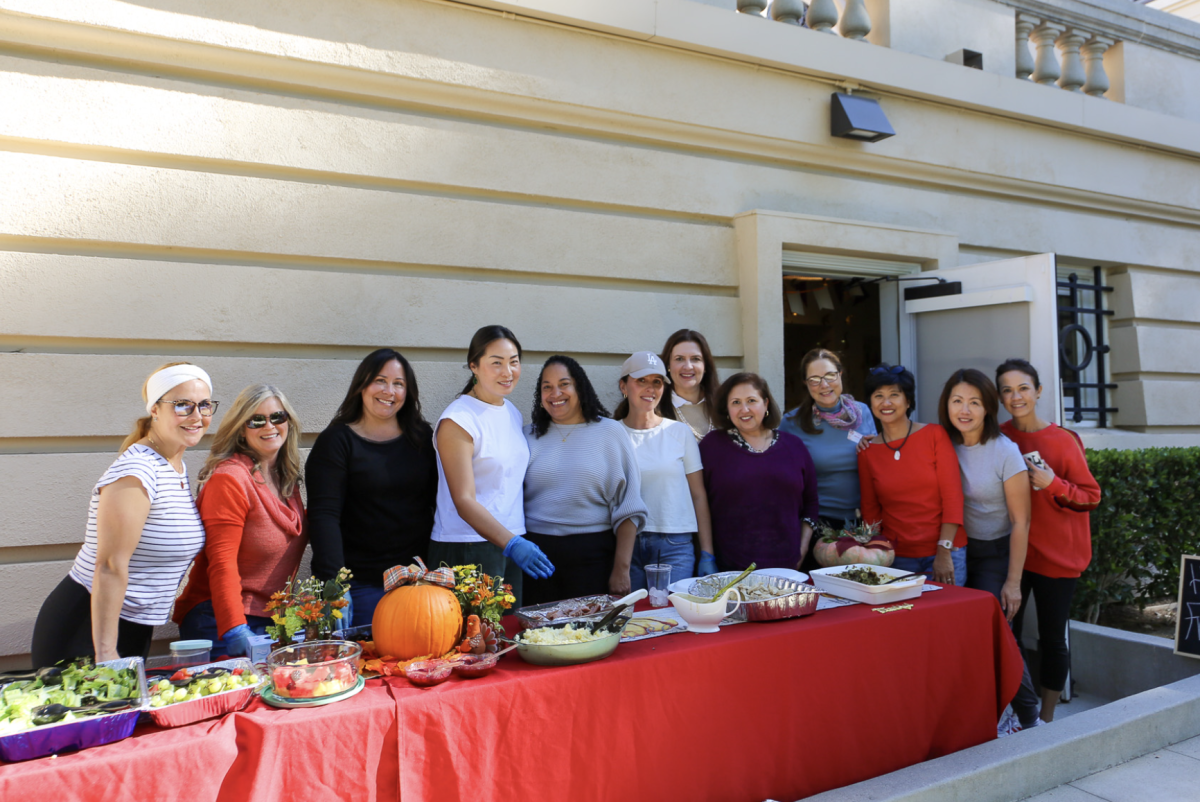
x,y
618,606
901,578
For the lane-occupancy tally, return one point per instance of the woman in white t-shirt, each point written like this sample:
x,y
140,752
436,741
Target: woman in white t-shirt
x,y
481,459
142,532
672,477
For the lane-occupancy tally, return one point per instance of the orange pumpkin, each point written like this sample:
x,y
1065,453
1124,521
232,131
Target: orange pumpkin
x,y
417,620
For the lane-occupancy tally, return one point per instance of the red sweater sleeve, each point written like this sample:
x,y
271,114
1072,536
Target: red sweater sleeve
x,y
223,508
949,478
1075,488
872,512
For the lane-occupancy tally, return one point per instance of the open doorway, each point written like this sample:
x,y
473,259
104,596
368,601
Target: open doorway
x,y
842,315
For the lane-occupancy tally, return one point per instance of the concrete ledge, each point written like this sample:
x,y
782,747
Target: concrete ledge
x,y
1113,664
1032,762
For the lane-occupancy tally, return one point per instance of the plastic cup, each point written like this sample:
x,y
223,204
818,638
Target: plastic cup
x,y
658,578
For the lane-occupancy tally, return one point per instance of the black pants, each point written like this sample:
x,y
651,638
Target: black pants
x,y
1053,595
582,566
64,628
987,569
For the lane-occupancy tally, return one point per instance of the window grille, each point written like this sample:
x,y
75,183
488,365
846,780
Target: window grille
x,y
1082,350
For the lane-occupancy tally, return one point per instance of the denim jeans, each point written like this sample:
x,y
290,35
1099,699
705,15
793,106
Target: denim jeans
x,y
200,623
675,550
361,609
924,565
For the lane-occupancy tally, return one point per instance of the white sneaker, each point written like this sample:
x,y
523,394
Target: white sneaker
x,y
1008,725
1037,722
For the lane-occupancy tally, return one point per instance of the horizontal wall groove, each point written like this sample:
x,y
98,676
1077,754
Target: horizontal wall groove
x,y
245,69
333,264
275,172
1149,376
57,552
1156,323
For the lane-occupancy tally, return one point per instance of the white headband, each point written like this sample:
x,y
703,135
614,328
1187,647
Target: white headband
x,y
158,384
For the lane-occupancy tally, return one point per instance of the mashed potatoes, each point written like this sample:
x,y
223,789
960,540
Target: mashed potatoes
x,y
549,636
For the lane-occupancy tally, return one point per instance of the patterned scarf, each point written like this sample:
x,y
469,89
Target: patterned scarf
x,y
847,416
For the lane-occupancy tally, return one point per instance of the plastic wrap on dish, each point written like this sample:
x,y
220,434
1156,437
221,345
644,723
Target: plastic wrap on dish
x,y
764,597
51,739
179,714
583,608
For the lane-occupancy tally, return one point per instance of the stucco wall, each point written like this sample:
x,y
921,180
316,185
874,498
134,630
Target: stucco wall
x,y
273,190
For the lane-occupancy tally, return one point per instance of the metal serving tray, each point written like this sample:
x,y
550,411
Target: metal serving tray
x,y
533,616
799,599
218,704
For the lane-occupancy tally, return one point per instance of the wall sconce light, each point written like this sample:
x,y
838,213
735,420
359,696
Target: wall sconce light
x,y
858,118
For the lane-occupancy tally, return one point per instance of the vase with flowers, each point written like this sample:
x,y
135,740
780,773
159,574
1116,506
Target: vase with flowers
x,y
483,599
310,605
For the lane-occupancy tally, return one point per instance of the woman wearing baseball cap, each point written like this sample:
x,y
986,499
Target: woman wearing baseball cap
x,y
672,476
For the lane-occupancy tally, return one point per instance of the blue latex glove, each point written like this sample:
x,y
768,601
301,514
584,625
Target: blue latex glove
x,y
529,558
237,640
707,564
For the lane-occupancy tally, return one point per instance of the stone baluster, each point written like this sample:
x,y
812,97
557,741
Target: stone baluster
x,y
1072,66
756,7
1045,66
789,11
856,21
822,15
1025,25
1093,65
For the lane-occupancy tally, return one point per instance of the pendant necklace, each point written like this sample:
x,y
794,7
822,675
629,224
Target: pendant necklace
x,y
558,430
150,440
896,451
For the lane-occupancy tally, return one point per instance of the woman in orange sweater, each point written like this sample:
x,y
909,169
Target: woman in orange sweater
x,y
254,520
910,481
1060,537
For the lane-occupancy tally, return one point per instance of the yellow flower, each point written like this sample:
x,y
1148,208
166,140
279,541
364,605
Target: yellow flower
x,y
278,619
337,613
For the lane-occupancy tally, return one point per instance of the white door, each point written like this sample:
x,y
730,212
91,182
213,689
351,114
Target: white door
x,y
1005,309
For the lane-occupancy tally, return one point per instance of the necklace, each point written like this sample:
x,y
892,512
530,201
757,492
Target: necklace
x,y
151,443
558,430
896,451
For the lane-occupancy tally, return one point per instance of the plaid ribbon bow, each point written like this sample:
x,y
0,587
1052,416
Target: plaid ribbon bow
x,y
411,574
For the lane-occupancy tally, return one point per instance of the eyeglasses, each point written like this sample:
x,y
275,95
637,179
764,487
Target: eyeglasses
x,y
828,378
185,408
275,418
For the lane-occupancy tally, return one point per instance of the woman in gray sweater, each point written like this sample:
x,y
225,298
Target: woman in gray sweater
x,y
583,504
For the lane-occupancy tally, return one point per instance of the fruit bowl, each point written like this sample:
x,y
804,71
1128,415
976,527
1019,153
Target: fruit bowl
x,y
314,670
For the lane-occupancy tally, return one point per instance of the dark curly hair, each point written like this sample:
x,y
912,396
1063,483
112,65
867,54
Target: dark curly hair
x,y
885,375
589,402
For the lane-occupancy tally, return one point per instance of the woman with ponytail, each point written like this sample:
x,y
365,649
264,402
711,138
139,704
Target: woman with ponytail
x,y
482,457
254,520
143,530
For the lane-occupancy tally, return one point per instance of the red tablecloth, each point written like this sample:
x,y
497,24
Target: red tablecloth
x,y
779,710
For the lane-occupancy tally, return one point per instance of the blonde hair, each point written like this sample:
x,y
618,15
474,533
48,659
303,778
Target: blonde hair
x,y
141,427
230,439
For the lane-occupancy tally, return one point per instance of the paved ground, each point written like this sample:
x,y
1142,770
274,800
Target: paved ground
x,y
1168,775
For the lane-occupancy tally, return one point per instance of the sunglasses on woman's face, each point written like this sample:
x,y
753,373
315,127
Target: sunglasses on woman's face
x,y
275,419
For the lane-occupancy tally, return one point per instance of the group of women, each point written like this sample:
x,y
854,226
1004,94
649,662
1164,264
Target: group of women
x,y
700,476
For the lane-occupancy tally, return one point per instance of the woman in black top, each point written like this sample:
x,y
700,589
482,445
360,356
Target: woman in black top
x,y
372,482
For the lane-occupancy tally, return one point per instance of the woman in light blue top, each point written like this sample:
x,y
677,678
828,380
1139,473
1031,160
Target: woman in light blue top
x,y
831,423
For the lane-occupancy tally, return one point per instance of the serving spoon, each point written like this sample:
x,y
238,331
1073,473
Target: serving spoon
x,y
48,714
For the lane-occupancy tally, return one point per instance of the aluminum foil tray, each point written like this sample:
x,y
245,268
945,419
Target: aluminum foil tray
x,y
183,713
800,599
533,616
80,734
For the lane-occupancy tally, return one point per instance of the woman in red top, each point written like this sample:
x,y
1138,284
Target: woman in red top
x,y
1060,539
254,520
910,481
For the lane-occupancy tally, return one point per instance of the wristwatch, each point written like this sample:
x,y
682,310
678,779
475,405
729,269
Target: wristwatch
x,y
947,544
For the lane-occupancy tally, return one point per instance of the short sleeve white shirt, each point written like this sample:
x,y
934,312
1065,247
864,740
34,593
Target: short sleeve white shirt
x,y
498,462
171,537
666,454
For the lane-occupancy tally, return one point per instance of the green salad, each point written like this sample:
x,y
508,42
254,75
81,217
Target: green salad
x,y
79,685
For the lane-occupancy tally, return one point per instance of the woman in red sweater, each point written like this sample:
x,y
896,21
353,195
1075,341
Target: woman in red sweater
x,y
910,481
1060,538
250,504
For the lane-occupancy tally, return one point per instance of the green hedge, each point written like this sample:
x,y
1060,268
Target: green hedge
x,y
1148,516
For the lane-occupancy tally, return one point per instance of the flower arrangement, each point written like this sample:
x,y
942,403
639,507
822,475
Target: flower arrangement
x,y
481,594
309,605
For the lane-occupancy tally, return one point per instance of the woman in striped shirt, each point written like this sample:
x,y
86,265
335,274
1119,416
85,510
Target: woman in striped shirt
x,y
142,532
583,503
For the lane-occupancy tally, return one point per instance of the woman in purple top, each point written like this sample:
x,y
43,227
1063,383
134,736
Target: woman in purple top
x,y
761,483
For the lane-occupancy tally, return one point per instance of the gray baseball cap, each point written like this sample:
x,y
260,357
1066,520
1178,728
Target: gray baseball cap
x,y
643,363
